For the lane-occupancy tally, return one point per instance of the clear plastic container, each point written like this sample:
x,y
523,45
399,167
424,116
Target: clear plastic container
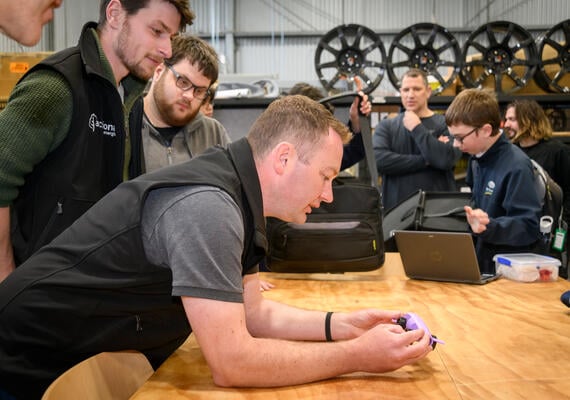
x,y
527,267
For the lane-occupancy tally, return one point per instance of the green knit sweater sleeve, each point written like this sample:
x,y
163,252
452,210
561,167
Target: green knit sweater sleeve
x,y
35,121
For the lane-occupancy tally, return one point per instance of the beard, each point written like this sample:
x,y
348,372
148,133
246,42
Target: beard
x,y
134,67
169,112
511,134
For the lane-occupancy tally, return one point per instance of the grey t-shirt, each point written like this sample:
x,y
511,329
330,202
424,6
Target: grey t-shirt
x,y
197,232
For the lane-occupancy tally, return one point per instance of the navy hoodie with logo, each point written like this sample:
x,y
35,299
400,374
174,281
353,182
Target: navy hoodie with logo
x,y
502,183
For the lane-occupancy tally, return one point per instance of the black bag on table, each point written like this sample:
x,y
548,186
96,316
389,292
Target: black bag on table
x,y
343,236
426,211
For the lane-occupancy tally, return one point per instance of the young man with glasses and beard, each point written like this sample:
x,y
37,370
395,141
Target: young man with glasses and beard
x,y
173,128
505,210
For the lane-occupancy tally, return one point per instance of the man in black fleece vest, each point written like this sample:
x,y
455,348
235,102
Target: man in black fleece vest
x,y
63,133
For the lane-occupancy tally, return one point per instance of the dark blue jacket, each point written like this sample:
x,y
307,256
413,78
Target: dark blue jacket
x,y
502,185
409,161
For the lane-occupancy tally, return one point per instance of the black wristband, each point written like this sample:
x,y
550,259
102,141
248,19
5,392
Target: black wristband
x,y
328,326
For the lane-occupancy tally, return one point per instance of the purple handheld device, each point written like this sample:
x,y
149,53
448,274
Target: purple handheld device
x,y
411,321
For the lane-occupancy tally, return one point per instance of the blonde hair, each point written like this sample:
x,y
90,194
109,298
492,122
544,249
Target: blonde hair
x,y
298,120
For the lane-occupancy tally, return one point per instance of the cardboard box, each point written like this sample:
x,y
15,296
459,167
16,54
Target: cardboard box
x,y
13,66
527,267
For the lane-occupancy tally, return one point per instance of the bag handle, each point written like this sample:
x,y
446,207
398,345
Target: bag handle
x,y
366,133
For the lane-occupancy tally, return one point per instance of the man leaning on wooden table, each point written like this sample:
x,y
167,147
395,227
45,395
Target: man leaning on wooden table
x,y
505,340
177,250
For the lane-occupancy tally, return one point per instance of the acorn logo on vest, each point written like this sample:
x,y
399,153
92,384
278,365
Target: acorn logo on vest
x,y
103,127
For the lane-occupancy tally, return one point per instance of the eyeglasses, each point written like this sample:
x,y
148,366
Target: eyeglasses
x,y
186,84
460,139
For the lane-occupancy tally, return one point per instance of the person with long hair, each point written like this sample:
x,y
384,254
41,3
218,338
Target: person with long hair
x,y
528,126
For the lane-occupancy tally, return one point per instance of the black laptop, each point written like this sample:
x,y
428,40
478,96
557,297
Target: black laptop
x,y
440,256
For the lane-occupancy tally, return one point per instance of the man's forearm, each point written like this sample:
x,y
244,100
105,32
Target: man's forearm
x,y
237,357
270,319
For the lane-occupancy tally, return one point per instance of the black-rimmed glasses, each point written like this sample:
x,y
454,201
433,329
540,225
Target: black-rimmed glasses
x,y
461,138
182,82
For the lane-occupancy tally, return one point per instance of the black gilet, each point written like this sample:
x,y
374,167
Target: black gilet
x,y
86,165
92,289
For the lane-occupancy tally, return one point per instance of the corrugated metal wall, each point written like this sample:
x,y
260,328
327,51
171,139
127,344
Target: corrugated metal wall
x,y
390,15
278,38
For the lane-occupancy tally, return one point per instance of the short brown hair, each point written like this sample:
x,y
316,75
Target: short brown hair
x,y
296,119
416,73
197,52
133,6
531,119
475,107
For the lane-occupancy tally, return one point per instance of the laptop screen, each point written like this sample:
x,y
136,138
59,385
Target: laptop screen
x,y
440,256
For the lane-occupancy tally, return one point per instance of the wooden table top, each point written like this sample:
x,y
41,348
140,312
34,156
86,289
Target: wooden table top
x,y
504,340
